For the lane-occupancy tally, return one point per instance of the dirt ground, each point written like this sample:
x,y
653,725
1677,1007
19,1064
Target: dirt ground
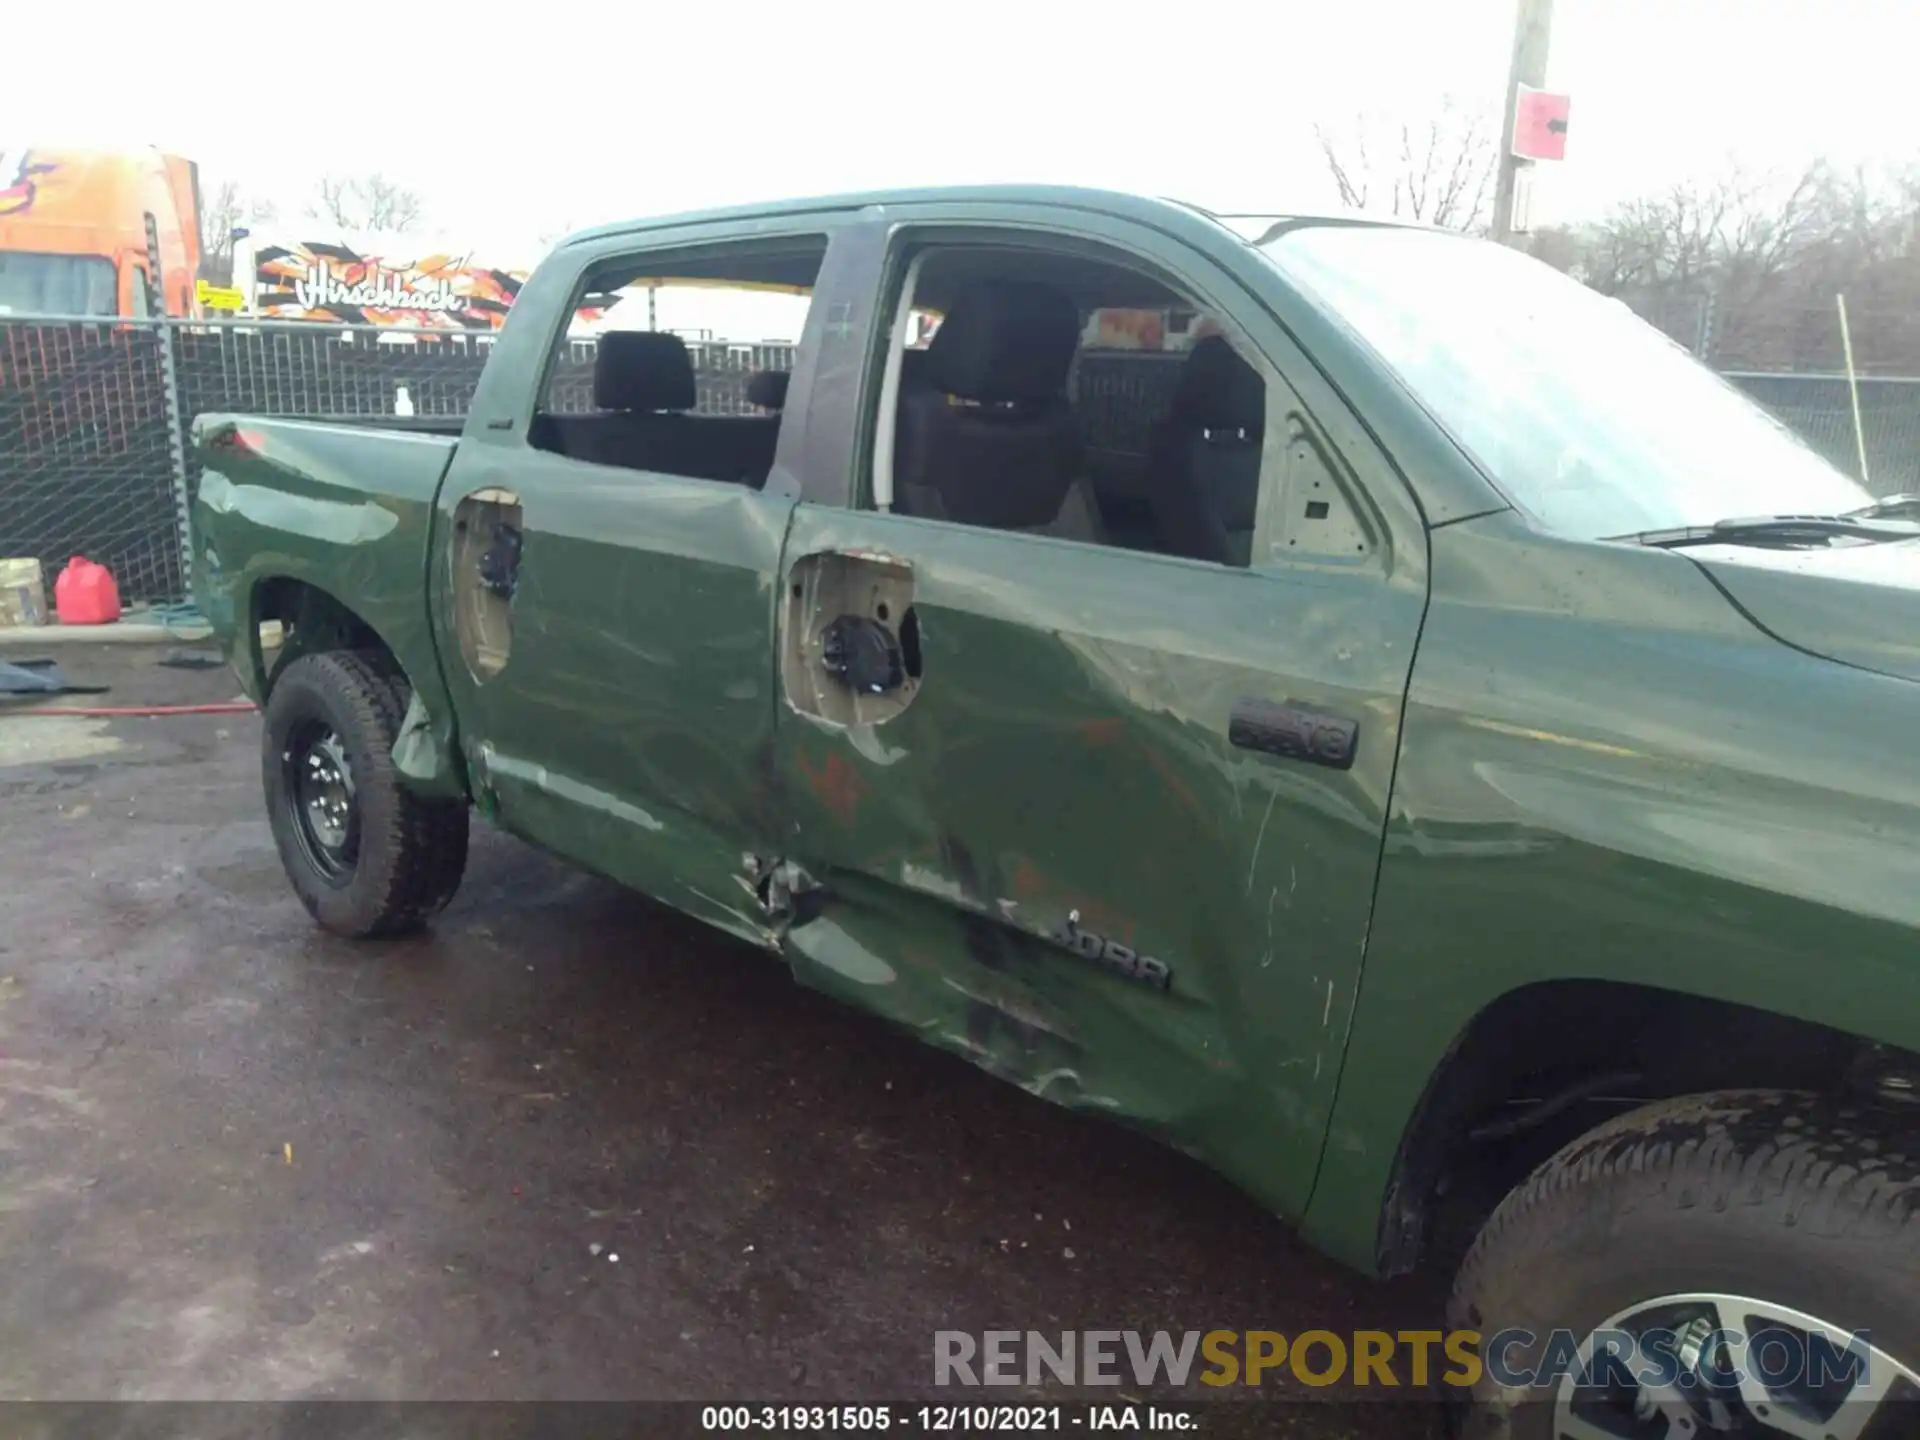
x,y
242,1159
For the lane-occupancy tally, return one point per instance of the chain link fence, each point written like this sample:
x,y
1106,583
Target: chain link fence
x,y
85,459
1766,334
1820,409
86,464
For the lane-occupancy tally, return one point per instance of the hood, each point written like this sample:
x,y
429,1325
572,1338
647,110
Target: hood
x,y
1859,604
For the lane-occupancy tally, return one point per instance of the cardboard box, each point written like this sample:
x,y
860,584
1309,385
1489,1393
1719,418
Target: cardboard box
x,y
23,594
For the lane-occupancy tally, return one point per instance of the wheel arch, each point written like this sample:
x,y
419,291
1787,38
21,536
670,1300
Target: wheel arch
x,y
312,619
1542,1063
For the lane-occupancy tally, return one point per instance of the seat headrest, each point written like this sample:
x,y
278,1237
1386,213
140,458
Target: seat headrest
x,y
1005,340
1218,390
642,370
768,389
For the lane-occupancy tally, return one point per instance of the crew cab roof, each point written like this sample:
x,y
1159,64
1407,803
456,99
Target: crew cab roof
x,y
1165,213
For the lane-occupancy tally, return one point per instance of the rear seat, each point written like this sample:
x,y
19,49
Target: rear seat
x,y
643,387
768,389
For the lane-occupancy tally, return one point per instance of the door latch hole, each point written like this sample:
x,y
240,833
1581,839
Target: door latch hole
x,y
485,561
849,642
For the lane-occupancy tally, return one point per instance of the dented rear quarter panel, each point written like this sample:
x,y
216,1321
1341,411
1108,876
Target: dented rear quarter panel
x,y
346,510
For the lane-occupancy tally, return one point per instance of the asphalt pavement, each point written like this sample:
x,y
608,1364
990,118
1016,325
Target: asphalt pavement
x,y
568,1145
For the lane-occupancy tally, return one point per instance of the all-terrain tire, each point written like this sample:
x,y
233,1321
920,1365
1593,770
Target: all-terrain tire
x,y
410,851
1803,1201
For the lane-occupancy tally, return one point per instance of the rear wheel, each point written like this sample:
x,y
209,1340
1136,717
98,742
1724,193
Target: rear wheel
x,y
1752,1258
366,855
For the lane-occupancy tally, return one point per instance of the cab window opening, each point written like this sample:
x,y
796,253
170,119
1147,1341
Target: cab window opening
x,y
652,373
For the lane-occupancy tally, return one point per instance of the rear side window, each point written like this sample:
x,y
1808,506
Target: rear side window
x,y
676,363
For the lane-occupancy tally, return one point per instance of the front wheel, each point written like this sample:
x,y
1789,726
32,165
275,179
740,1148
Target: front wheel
x,y
366,855
1744,1263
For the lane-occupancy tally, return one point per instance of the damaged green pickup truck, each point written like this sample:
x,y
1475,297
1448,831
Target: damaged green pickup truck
x,y
1339,696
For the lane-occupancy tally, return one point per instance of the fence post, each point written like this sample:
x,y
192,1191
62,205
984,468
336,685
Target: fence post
x,y
1709,318
176,426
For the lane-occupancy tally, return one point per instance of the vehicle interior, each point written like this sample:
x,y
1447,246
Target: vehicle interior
x,y
655,401
1031,390
1062,395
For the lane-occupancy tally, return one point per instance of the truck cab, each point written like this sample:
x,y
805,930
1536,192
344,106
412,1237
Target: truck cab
x,y
1359,743
73,231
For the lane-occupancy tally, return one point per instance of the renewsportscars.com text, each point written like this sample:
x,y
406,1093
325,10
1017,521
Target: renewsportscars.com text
x,y
1390,1359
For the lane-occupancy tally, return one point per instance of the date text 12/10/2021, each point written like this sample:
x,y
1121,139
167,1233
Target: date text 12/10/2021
x,y
947,1419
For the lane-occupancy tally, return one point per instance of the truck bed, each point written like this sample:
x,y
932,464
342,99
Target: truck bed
x,y
447,425
310,504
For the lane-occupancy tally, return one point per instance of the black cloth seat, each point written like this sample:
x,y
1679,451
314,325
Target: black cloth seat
x,y
643,385
1204,458
736,447
985,435
768,389
913,370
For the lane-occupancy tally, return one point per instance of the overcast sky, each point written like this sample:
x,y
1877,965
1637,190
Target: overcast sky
x,y
518,121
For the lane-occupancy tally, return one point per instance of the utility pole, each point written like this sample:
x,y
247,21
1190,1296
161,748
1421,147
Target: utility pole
x,y
1532,34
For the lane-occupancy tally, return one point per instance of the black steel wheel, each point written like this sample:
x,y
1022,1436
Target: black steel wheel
x,y
318,792
367,856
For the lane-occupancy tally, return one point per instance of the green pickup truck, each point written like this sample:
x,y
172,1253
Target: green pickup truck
x,y
1415,740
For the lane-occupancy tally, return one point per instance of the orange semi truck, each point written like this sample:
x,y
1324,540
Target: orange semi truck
x,y
73,237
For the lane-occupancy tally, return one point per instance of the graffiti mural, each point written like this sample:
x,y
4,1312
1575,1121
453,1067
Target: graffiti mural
x,y
19,172
312,280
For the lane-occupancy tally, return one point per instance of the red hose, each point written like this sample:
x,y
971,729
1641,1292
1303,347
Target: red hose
x,y
224,707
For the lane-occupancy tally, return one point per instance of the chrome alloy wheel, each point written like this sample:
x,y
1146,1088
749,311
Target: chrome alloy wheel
x,y
1696,1366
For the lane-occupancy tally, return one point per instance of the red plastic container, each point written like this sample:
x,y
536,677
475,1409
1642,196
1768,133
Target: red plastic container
x,y
85,594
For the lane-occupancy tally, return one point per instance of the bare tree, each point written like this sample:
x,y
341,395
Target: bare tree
x,y
1564,247
369,202
1740,227
1439,170
1743,267
221,220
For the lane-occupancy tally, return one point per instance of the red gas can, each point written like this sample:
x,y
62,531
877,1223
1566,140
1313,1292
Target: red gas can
x,y
85,594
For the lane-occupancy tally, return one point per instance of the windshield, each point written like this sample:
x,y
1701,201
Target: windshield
x,y
56,285
1585,416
